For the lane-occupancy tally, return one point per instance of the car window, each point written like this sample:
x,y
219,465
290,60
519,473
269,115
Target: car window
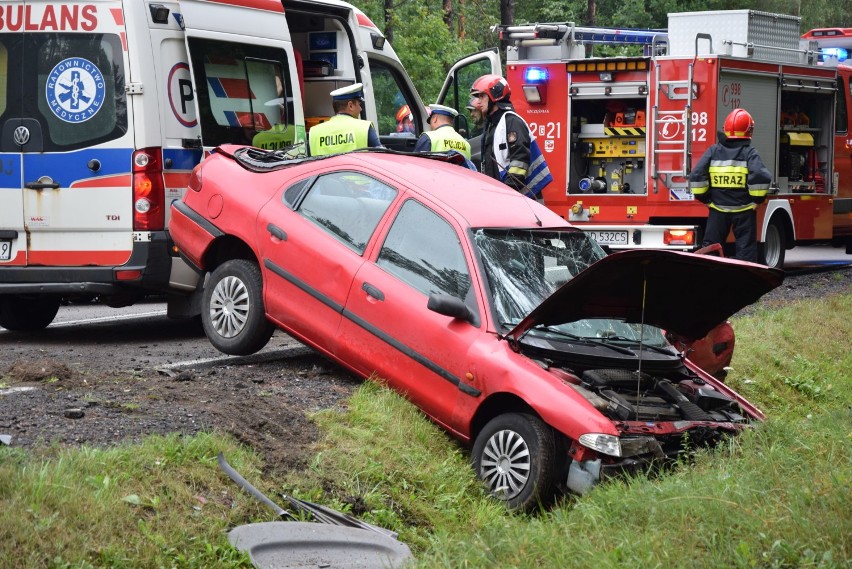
x,y
348,205
72,85
423,250
245,95
394,103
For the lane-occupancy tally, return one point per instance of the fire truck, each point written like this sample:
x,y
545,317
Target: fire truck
x,y
621,132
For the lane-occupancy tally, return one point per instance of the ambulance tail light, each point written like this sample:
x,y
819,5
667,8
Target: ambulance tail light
x,y
149,196
679,237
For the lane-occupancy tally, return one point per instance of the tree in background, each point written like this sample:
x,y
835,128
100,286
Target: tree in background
x,y
430,35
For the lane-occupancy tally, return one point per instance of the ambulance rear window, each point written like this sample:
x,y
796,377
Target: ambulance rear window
x,y
67,88
79,92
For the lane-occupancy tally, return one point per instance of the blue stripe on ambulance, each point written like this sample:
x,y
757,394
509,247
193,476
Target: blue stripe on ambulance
x,y
68,167
182,158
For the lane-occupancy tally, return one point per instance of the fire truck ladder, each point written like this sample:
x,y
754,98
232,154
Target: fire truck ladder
x,y
567,32
681,142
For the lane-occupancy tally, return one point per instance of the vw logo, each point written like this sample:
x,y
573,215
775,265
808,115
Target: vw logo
x,y
21,135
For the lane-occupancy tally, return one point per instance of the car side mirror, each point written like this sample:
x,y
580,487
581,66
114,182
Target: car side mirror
x,y
450,306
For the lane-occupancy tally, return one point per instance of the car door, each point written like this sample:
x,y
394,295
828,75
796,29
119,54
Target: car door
x,y
312,239
243,69
387,329
65,137
455,93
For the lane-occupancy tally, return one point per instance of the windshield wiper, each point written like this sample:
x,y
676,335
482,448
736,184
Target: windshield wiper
x,y
586,340
658,349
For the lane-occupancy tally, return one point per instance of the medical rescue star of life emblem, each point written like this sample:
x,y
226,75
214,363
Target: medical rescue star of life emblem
x,y
75,90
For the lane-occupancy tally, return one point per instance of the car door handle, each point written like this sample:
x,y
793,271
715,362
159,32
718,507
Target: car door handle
x,y
373,291
277,232
42,183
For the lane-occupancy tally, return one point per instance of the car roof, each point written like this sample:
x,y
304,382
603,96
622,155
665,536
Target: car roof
x,y
476,199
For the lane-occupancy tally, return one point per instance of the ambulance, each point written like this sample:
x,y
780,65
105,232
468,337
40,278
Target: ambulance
x,y
106,106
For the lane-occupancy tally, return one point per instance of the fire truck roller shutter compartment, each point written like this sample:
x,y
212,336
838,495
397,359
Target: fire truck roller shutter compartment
x,y
758,94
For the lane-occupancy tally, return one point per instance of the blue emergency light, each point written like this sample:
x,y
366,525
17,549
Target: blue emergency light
x,y
535,75
838,52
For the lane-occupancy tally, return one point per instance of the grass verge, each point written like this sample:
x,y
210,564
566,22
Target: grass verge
x,y
777,496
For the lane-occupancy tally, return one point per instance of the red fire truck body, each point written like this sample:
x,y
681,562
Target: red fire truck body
x,y
620,133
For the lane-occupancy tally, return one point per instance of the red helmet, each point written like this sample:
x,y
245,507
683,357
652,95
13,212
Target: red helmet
x,y
739,124
494,86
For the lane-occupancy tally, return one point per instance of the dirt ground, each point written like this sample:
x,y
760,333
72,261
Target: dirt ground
x,y
266,404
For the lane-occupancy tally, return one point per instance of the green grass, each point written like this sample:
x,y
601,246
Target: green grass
x,y
777,496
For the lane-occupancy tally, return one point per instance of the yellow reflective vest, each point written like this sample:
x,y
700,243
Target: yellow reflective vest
x,y
445,138
340,133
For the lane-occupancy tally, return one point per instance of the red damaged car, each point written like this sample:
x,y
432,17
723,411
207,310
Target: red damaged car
x,y
508,327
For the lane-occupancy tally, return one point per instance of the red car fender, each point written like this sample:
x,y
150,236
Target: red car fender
x,y
554,400
195,239
713,352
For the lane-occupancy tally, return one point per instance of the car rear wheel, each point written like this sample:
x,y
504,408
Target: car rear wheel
x,y
232,310
27,313
515,456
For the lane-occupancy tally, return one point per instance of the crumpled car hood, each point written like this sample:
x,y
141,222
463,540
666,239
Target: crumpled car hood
x,y
684,293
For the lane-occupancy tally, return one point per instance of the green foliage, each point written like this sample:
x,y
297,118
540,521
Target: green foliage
x,y
428,47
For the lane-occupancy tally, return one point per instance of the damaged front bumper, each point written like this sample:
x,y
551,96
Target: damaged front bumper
x,y
643,446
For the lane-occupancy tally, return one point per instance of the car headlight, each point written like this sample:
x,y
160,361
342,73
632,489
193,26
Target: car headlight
x,y
606,444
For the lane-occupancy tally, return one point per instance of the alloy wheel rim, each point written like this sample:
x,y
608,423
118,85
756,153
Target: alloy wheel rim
x,y
229,307
505,464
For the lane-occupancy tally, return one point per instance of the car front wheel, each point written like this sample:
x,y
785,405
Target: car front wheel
x,y
515,456
232,312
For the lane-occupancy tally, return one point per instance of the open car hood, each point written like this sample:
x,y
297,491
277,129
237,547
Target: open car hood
x,y
683,293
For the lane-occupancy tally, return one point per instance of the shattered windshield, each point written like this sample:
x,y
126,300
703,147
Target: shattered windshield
x,y
525,266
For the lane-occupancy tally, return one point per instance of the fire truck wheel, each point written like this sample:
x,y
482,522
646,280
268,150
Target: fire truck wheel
x,y
515,455
773,248
21,313
232,310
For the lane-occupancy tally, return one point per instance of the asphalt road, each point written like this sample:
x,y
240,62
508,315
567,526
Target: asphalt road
x,y
816,256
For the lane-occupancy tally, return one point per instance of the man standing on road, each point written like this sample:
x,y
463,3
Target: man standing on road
x,y
443,137
732,180
344,131
505,136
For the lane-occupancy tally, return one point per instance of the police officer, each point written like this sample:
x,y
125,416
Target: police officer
x,y
443,137
506,137
344,131
732,180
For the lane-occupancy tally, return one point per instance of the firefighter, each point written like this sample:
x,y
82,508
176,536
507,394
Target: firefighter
x,y
505,137
443,137
344,131
405,120
732,180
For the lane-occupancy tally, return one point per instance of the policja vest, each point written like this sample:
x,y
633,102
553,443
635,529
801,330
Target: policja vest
x,y
340,133
445,138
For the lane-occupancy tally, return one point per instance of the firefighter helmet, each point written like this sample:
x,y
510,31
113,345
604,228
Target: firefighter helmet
x,y
404,119
739,124
494,86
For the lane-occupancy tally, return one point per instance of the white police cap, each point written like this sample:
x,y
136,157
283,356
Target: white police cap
x,y
355,91
442,110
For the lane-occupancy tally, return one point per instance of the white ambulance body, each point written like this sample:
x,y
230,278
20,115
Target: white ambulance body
x,y
106,106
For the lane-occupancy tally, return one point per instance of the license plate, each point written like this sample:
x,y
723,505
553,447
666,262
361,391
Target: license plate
x,y
609,237
5,250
